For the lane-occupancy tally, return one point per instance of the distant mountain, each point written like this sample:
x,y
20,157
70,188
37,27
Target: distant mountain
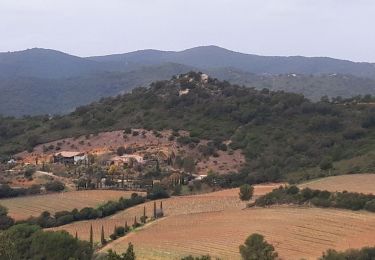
x,y
34,96
311,86
42,81
44,63
216,57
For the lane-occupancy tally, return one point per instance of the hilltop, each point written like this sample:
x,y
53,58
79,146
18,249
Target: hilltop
x,y
278,132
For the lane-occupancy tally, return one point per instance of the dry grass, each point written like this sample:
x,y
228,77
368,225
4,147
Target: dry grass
x,y
24,207
364,183
295,232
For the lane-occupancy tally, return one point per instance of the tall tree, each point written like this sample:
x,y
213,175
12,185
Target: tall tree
x,y
155,210
129,254
256,248
102,237
91,237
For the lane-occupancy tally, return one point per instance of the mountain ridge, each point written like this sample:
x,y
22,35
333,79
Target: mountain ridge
x,y
44,81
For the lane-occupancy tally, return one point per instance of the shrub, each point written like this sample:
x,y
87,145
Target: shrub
x,y
246,192
157,192
55,186
120,151
256,248
370,205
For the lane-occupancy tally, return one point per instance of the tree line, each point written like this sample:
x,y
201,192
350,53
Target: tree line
x,y
294,195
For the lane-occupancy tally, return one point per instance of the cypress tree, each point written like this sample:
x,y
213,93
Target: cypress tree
x,y
135,222
91,237
126,226
155,210
102,238
76,235
161,206
144,215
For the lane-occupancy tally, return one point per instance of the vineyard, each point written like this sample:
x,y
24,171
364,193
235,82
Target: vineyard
x,y
363,183
295,232
217,223
210,202
24,207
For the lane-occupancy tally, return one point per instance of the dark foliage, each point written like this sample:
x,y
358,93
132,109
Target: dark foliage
x,y
366,253
30,242
293,195
278,132
45,220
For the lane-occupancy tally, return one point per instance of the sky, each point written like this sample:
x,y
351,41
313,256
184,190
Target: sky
x,y
336,28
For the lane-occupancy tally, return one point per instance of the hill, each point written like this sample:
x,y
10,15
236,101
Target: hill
x,y
38,96
215,57
361,183
42,81
278,132
44,63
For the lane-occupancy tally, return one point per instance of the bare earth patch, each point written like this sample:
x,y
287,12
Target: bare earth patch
x,y
24,207
109,141
363,183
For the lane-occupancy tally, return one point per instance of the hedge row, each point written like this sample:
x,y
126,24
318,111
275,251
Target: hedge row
x,y
343,200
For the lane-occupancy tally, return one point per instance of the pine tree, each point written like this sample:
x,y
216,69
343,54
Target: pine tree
x,y
102,238
126,226
76,235
161,206
91,237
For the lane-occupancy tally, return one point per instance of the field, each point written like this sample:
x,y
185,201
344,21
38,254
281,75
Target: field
x,y
24,207
217,223
364,183
295,232
210,202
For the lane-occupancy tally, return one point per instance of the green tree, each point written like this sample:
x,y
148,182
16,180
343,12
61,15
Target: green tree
x,y
144,217
256,248
326,164
155,210
246,192
5,220
102,237
128,255
91,237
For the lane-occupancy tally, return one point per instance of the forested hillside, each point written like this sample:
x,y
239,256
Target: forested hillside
x,y
41,81
278,132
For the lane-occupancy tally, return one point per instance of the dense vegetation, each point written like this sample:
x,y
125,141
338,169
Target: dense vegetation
x,y
343,200
366,253
46,220
40,81
26,241
278,132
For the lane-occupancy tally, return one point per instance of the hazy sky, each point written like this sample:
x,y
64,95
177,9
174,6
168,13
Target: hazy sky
x,y
336,28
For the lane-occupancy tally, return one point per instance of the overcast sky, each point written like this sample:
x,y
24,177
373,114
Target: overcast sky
x,y
336,28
